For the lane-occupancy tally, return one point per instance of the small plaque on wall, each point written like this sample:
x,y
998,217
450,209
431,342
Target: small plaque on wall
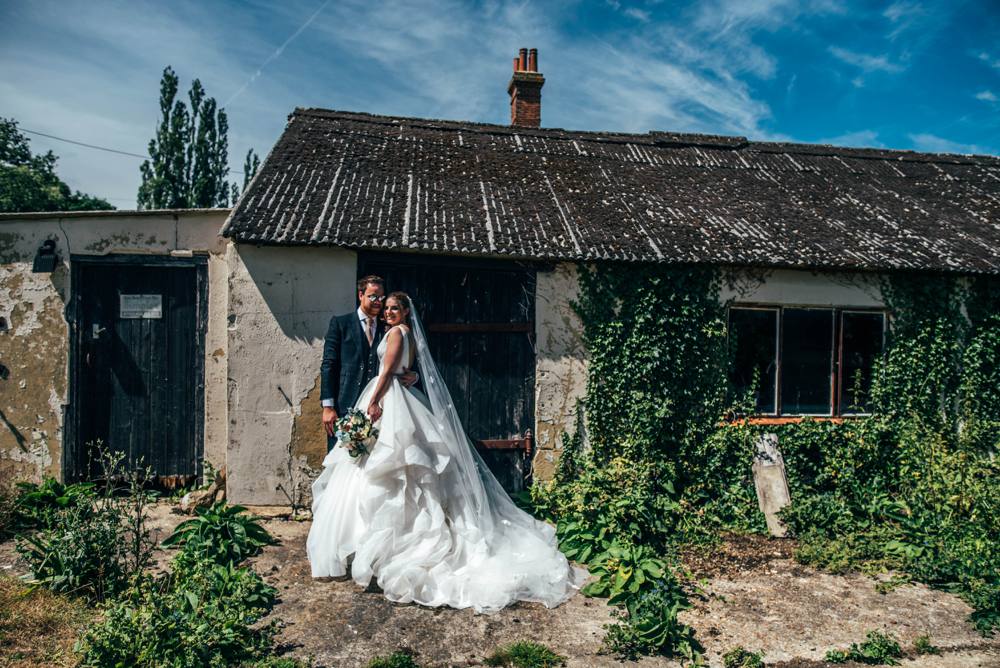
x,y
141,306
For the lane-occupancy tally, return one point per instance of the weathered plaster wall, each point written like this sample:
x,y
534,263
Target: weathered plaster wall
x,y
280,303
35,347
804,288
561,368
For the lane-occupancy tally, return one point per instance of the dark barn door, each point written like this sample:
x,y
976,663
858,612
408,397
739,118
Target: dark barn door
x,y
138,356
479,317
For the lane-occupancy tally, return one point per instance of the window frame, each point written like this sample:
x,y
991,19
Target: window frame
x,y
836,356
776,310
838,396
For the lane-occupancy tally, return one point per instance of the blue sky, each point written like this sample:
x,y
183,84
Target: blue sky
x,y
909,74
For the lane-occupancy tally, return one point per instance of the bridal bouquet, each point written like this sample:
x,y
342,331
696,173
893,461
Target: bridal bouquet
x,y
356,432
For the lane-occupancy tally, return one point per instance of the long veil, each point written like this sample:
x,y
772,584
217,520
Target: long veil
x,y
487,500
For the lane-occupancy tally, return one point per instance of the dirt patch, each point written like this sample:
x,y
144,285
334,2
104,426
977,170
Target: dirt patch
x,y
737,554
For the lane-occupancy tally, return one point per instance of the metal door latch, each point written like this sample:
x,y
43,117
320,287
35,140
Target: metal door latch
x,y
97,330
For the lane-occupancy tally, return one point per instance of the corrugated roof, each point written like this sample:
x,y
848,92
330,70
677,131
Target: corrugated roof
x,y
387,183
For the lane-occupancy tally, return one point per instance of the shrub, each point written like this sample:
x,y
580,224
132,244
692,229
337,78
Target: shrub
x,y
38,506
649,624
200,614
878,649
204,612
395,660
91,544
922,645
225,533
524,654
738,657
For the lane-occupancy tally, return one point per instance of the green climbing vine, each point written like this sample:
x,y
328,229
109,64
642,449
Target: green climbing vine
x,y
656,463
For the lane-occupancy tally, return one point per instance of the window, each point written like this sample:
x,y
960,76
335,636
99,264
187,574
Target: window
x,y
755,334
861,338
806,361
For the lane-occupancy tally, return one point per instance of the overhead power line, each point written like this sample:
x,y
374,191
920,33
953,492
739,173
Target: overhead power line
x,y
100,148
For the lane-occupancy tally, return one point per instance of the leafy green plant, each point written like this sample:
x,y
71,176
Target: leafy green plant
x,y
91,544
623,572
400,659
739,657
922,645
649,624
878,649
524,654
202,613
36,506
225,533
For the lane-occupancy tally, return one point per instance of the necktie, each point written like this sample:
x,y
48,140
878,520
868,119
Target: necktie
x,y
369,330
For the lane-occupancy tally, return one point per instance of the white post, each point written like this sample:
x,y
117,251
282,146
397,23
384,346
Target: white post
x,y
769,480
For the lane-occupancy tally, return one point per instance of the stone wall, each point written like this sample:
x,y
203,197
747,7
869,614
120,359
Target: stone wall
x,y
280,303
561,369
34,347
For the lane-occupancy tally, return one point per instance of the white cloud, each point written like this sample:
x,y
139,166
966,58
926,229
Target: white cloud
x,y
867,138
986,96
903,15
867,63
935,144
638,14
989,59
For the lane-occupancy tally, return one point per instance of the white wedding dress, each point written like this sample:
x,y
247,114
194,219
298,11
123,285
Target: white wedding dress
x,y
424,516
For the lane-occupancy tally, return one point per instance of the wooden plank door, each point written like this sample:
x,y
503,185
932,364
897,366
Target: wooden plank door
x,y
138,356
479,316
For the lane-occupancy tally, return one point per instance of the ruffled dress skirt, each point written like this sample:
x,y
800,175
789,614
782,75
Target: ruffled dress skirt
x,y
404,516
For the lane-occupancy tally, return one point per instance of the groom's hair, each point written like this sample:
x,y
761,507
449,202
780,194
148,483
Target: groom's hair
x,y
370,280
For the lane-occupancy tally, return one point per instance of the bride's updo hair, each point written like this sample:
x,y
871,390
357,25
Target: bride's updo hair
x,y
403,300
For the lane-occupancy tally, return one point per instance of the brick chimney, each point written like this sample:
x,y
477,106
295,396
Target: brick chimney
x,y
525,90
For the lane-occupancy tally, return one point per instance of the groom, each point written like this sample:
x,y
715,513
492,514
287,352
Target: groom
x,y
350,359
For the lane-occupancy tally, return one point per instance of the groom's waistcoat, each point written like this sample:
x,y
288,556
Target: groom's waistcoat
x,y
348,361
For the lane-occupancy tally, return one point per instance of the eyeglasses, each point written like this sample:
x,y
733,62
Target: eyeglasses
x,y
375,298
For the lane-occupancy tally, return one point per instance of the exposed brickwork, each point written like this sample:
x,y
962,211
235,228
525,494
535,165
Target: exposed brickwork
x,y
525,90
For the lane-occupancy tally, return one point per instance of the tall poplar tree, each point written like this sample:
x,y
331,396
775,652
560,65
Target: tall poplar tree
x,y
189,155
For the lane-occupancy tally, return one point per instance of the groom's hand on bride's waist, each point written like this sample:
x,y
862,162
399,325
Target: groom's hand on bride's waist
x,y
329,418
409,378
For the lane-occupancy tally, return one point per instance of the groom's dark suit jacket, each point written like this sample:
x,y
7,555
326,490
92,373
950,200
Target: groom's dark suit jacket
x,y
348,362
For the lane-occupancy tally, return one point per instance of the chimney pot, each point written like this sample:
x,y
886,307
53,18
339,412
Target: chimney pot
x,y
525,91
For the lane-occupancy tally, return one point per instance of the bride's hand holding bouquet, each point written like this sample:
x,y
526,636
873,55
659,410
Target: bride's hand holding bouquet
x,y
356,432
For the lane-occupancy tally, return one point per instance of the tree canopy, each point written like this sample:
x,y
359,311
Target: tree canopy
x,y
28,182
189,155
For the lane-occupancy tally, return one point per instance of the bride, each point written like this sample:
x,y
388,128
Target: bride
x,y
422,513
